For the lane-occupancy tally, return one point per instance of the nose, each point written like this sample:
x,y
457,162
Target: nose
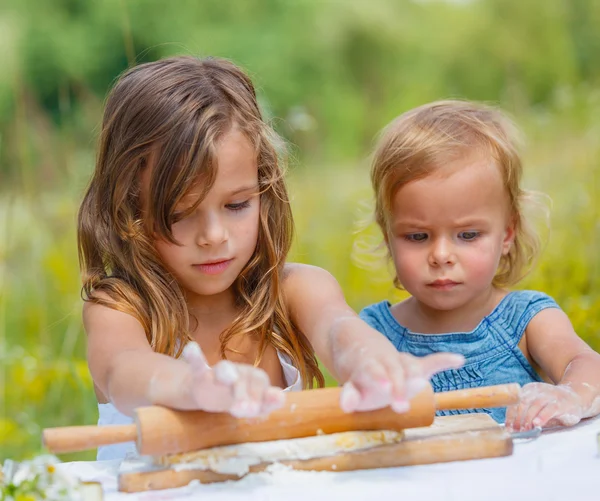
x,y
211,231
441,252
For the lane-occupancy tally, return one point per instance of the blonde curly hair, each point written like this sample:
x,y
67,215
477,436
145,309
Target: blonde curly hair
x,y
421,140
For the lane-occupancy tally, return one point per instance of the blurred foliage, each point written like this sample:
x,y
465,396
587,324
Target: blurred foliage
x,y
330,75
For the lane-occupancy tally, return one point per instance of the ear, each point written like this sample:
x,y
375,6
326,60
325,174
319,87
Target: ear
x,y
510,232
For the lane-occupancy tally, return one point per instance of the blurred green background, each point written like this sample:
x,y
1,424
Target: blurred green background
x,y
330,75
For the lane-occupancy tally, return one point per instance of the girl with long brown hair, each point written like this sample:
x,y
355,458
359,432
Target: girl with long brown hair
x,y
183,236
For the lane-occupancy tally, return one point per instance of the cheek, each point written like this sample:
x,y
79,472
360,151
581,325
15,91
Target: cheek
x,y
482,259
247,227
167,252
407,259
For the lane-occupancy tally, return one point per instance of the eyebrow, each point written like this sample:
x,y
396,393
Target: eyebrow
x,y
243,189
460,223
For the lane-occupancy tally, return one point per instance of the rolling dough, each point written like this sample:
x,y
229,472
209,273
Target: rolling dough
x,y
237,459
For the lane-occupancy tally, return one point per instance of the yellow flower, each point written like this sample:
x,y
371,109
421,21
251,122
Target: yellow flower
x,y
25,497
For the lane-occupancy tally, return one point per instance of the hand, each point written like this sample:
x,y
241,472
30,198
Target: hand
x,y
240,389
544,405
387,378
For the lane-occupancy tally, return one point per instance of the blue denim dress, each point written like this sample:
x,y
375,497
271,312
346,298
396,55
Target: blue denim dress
x,y
491,349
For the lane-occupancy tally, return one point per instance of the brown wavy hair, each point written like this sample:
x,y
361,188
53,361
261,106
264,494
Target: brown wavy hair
x,y
421,140
169,115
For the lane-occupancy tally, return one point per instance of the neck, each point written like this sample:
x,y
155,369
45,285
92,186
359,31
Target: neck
x,y
210,306
210,315
422,318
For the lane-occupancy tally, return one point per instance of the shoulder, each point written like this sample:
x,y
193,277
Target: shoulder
x,y
101,313
530,297
300,271
517,309
525,304
310,292
305,278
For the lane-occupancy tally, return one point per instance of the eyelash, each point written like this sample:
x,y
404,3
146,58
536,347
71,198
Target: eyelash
x,y
411,236
475,234
238,206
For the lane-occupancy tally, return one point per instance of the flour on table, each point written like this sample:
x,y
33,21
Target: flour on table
x,y
237,459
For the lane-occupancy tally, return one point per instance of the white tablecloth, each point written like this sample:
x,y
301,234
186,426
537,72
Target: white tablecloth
x,y
559,465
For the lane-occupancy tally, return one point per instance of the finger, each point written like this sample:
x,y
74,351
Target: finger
x,y
372,381
371,376
511,414
516,417
530,418
414,380
438,362
397,372
248,392
193,355
528,397
241,406
274,399
257,384
349,397
212,396
226,373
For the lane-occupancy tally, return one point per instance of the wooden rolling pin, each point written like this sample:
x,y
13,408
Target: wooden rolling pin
x,y
158,430
452,438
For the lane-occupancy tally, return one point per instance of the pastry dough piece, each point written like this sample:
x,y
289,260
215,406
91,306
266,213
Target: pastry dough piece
x,y
237,459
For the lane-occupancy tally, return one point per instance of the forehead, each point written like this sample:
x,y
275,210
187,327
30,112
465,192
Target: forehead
x,y
462,189
237,160
236,166
236,163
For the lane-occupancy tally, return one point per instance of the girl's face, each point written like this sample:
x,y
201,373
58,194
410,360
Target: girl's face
x,y
218,239
448,232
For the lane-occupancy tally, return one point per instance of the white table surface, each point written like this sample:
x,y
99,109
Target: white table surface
x,y
559,465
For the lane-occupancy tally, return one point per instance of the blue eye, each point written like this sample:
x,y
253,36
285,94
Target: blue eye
x,y
468,235
238,206
416,237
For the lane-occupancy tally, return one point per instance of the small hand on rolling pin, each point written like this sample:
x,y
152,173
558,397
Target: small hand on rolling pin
x,y
242,390
379,376
545,405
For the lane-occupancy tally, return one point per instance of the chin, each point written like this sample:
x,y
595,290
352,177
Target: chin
x,y
443,304
210,289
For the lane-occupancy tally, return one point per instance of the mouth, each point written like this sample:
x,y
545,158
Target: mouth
x,y
443,284
213,267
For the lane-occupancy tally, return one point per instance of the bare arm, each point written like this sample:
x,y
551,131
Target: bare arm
x,y
375,373
123,364
126,370
565,357
570,363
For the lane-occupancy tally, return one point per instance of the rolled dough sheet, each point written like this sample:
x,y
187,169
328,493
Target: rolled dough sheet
x,y
237,459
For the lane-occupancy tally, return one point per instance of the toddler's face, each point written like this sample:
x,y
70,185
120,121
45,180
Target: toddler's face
x,y
448,232
220,236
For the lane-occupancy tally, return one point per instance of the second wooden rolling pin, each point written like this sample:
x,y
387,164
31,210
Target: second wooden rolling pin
x,y
159,430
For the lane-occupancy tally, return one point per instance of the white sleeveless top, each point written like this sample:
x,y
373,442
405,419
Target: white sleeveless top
x,y
109,415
